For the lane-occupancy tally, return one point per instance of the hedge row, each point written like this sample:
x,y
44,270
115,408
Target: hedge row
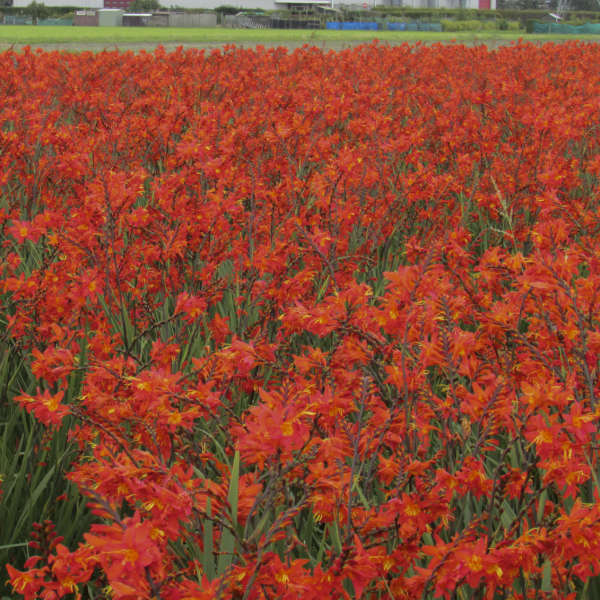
x,y
472,14
476,25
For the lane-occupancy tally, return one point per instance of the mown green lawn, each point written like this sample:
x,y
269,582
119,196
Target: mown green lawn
x,y
79,37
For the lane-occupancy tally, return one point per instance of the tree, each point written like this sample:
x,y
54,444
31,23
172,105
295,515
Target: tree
x,y
592,5
37,10
227,9
144,5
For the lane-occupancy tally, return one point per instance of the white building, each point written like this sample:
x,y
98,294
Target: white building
x,y
210,4
77,3
242,4
207,4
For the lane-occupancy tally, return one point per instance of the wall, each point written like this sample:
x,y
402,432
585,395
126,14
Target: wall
x,y
110,18
85,19
159,20
192,20
136,20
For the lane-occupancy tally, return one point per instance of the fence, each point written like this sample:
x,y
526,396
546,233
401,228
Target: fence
x,y
374,26
192,20
25,20
260,22
593,28
414,26
17,20
353,26
68,21
280,23
248,21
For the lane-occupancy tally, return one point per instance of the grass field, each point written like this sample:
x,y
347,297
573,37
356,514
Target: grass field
x,y
78,38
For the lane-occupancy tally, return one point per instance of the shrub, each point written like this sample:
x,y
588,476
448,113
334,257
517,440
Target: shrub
x,y
227,9
471,25
144,5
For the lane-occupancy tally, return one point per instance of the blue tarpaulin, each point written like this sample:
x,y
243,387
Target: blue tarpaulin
x,y
373,26
352,26
414,26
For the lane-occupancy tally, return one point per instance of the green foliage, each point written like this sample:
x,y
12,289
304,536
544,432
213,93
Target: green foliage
x,y
538,15
580,21
54,11
585,10
33,462
588,5
227,9
471,25
33,459
227,547
475,25
144,5
432,14
37,11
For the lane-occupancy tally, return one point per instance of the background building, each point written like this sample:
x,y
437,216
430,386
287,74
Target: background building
x,y
53,3
267,4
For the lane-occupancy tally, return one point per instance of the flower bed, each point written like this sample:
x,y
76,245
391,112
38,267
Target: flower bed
x,y
318,324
